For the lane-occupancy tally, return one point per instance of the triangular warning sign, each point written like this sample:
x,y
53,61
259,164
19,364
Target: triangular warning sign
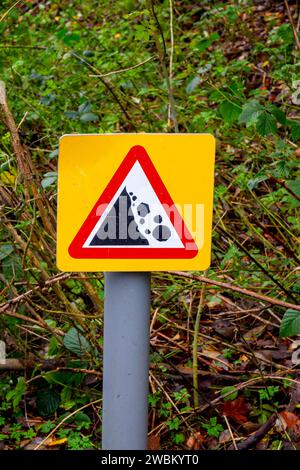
x,y
135,217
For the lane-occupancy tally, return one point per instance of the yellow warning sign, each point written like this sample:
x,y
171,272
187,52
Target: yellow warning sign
x,y
135,202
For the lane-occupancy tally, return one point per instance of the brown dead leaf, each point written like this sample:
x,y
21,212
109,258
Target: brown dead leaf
x,y
290,420
236,409
225,436
154,442
195,441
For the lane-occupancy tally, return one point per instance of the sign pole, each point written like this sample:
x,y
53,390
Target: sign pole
x,y
126,360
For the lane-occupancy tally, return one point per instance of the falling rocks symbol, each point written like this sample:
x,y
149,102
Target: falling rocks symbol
x,y
119,226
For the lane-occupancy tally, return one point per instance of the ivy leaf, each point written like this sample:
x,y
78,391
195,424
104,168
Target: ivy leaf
x,y
250,112
230,112
266,124
290,323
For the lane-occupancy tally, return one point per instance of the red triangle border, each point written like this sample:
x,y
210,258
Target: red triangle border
x,y
76,249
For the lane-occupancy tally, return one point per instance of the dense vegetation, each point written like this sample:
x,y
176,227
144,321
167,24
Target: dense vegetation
x,y
228,68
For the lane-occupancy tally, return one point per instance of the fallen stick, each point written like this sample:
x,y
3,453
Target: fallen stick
x,y
255,438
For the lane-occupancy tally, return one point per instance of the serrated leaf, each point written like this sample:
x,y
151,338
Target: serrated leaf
x,y
47,401
290,323
75,342
277,113
295,130
250,112
266,124
230,112
88,117
82,420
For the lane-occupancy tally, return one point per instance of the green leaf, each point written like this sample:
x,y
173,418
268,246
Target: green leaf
x,y
295,130
12,268
294,185
230,112
85,107
290,323
53,154
254,182
71,38
49,179
266,124
250,112
179,438
74,341
173,423
277,113
47,427
89,117
193,84
17,393
71,114
47,401
82,420
232,396
5,250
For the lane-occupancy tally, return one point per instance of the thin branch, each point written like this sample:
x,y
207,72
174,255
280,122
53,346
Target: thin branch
x,y
240,290
114,72
9,10
171,105
106,84
292,24
162,53
40,287
230,432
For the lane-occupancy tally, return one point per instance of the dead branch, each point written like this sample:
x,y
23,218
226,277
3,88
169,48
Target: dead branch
x,y
240,290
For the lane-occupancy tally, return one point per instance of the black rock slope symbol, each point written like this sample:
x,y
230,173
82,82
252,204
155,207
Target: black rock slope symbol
x,y
119,226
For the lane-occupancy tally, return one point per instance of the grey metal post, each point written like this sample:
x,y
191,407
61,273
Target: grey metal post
x,y
126,360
